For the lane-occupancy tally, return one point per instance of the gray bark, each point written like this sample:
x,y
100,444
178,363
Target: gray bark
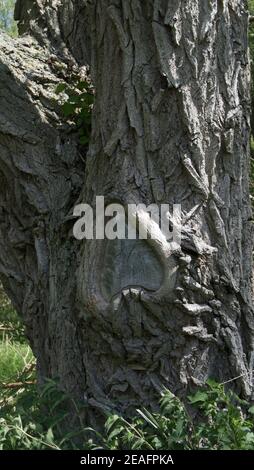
x,y
117,320
41,175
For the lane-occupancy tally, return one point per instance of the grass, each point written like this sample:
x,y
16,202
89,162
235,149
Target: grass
x,y
15,358
16,372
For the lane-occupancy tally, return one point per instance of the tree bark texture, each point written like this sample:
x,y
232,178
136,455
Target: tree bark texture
x,y
117,320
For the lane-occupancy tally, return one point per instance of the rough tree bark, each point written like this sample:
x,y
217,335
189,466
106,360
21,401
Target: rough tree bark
x,y
117,320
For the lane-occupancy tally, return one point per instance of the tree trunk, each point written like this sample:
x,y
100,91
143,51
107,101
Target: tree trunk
x,y
117,320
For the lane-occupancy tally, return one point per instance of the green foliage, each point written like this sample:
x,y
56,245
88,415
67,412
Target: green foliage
x,y
23,423
11,327
170,428
222,424
77,102
7,22
38,420
227,422
14,358
33,420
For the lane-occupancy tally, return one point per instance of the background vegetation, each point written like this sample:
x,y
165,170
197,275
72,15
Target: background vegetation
x,y
6,17
33,419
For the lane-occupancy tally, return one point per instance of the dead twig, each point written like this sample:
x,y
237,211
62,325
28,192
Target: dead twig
x,y
18,384
5,328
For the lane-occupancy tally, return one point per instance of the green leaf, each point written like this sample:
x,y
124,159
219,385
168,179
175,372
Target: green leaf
x,y
50,436
212,383
82,85
249,437
68,109
148,417
111,422
115,433
60,88
74,99
199,397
